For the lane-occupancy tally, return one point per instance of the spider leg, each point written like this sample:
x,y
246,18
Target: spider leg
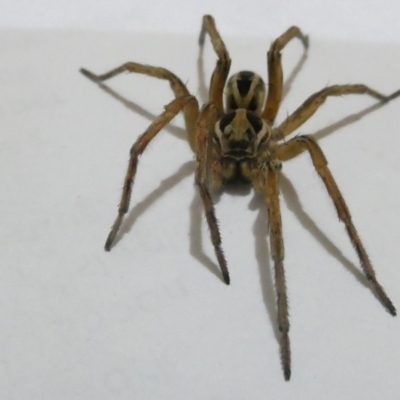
x,y
221,70
177,85
171,110
271,191
311,105
275,73
294,147
205,125
191,110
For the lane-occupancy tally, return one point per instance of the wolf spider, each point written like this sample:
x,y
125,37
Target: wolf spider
x,y
238,144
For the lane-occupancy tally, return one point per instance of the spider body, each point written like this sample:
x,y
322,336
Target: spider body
x,y
241,132
239,135
240,144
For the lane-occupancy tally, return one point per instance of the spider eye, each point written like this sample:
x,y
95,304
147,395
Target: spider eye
x,y
263,140
226,120
249,134
255,121
227,132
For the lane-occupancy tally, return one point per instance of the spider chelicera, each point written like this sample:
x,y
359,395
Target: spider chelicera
x,y
238,144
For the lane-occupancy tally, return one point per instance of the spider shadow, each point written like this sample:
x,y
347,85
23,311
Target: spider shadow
x,y
260,232
262,252
196,212
173,130
290,195
202,87
287,85
197,216
350,119
196,247
140,208
294,205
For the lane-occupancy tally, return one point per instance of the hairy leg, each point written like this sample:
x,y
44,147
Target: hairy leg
x,y
297,145
271,191
275,73
205,125
221,70
171,110
190,111
311,105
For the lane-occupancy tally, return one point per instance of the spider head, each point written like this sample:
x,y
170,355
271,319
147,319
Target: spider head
x,y
245,90
239,133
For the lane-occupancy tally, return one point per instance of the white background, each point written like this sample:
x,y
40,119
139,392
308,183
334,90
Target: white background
x,y
152,318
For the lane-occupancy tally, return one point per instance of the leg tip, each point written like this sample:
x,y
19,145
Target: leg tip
x,y
202,39
88,74
392,309
287,374
227,279
306,42
109,241
206,18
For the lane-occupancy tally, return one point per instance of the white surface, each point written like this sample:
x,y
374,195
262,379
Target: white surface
x,y
371,20
152,319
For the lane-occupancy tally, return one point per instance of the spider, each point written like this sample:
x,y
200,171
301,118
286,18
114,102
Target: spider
x,y
239,144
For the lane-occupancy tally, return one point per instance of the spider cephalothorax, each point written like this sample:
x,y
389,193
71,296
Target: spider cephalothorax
x,y
239,135
239,144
